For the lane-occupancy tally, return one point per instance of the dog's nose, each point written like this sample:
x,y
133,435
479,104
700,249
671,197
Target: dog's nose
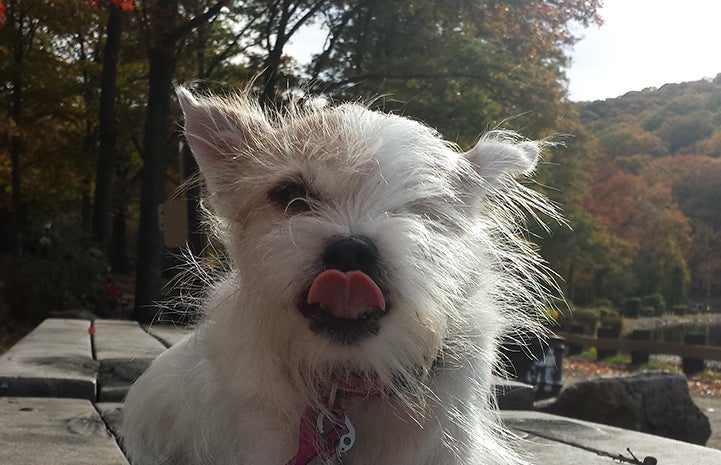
x,y
351,253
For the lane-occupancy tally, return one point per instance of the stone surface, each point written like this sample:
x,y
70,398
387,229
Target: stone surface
x,y
124,340
540,450
168,334
112,413
41,431
124,351
607,441
513,395
656,403
54,360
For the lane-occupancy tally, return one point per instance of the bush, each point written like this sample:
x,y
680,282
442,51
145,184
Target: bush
x,y
648,312
656,301
66,273
613,323
602,303
606,312
582,321
679,310
552,314
631,307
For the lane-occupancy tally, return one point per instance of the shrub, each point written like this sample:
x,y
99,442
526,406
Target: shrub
x,y
605,313
67,273
613,323
602,303
656,301
552,314
648,312
631,307
679,309
583,321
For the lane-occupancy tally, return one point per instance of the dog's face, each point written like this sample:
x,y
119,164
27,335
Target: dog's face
x,y
358,238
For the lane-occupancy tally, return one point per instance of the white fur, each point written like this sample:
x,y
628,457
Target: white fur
x,y
454,264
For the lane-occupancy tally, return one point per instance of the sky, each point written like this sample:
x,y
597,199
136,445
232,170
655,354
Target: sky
x,y
646,43
642,43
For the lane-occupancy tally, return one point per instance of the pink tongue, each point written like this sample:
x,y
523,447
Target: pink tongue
x,y
346,295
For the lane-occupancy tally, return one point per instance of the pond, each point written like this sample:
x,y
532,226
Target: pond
x,y
674,333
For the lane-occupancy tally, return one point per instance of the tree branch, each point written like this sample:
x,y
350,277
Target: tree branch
x,y
187,27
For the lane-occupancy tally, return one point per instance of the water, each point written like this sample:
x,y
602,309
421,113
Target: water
x,y
675,333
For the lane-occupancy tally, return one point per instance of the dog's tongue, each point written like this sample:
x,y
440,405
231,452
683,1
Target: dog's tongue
x,y
346,295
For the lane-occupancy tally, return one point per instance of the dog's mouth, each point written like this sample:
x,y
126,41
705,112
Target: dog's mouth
x,y
345,307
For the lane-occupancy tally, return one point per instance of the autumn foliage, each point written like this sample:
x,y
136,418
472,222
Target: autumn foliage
x,y
125,5
639,179
654,192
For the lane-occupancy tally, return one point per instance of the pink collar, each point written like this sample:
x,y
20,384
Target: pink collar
x,y
318,437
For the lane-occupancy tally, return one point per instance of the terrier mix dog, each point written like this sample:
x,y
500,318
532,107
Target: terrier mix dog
x,y
374,269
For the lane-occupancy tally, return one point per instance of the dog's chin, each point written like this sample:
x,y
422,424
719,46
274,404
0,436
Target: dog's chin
x,y
343,331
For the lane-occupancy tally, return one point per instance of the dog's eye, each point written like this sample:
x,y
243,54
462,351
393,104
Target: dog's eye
x,y
292,197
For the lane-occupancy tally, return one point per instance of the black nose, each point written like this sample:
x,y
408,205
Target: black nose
x,y
351,253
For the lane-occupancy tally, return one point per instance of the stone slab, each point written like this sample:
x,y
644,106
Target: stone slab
x,y
124,340
42,431
112,413
513,395
608,440
538,450
168,334
54,360
124,351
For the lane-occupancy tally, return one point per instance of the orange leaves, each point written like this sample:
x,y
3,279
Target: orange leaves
x,y
125,5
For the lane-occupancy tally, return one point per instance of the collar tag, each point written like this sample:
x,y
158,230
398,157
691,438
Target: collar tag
x,y
317,440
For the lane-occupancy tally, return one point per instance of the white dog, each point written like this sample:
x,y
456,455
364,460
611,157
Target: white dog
x,y
374,269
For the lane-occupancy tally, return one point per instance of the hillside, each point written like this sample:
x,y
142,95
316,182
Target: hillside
x,y
652,205
674,119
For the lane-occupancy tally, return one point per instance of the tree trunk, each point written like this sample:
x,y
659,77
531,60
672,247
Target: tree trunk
x,y
17,217
162,60
107,132
269,77
119,253
16,145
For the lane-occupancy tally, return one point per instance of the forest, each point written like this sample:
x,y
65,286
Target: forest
x,y
89,133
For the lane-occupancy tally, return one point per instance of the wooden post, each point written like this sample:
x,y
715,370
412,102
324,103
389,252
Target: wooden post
x,y
638,358
574,349
606,333
693,365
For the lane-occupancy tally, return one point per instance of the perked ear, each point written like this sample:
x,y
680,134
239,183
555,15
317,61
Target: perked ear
x,y
220,133
501,155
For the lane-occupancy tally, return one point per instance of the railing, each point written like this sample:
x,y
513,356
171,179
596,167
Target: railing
x,y
640,346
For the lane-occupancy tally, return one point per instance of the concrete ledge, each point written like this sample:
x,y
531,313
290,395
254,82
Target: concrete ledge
x,y
124,340
169,335
54,360
538,450
513,395
608,441
124,351
112,413
37,431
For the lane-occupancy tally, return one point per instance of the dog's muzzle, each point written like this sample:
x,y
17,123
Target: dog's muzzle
x,y
344,301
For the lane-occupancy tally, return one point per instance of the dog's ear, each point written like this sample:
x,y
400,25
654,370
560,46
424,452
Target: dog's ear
x,y
220,132
500,155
